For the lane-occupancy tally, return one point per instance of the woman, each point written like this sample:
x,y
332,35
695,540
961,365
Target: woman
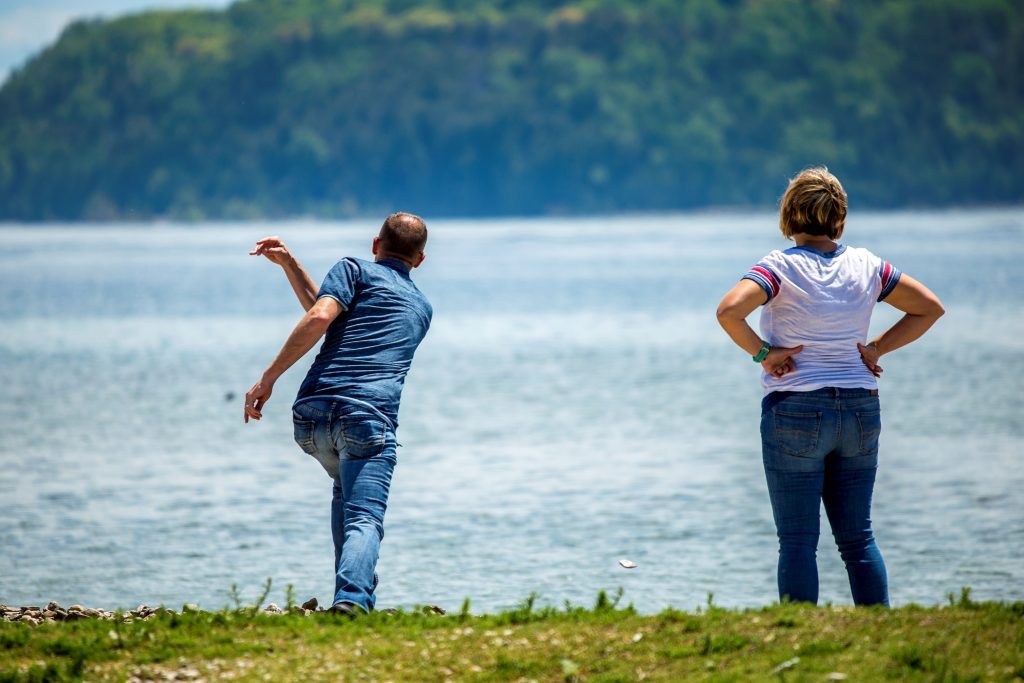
x,y
820,415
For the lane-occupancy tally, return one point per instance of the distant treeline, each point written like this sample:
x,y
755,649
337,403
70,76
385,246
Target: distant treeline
x,y
477,107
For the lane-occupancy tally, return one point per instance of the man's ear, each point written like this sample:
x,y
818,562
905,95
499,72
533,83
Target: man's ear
x,y
376,245
419,259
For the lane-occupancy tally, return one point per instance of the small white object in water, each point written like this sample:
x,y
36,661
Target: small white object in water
x,y
627,564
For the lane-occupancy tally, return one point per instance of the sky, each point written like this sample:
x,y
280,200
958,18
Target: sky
x,y
27,26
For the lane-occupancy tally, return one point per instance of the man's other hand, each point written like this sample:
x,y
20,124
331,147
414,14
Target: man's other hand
x,y
256,398
273,248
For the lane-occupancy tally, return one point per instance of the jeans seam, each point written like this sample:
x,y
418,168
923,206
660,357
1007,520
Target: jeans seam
x,y
330,423
861,450
839,424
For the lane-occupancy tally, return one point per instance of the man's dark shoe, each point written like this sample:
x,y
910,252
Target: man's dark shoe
x,y
349,610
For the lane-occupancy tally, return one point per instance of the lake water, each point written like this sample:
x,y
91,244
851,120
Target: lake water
x,y
574,403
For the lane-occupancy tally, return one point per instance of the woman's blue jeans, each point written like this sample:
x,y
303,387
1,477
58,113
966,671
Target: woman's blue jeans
x,y
822,446
356,446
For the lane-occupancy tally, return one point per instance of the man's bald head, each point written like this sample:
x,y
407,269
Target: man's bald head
x,y
403,235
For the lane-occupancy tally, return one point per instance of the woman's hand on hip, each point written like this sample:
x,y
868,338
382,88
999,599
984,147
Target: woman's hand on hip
x,y
779,361
869,354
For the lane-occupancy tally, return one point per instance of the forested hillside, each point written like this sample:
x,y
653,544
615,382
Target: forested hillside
x,y
472,107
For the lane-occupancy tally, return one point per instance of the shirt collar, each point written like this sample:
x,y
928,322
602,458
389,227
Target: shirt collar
x,y
830,254
395,265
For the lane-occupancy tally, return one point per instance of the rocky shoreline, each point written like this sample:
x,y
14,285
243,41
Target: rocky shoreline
x,y
54,612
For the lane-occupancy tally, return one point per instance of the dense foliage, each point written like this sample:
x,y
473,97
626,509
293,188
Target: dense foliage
x,y
468,107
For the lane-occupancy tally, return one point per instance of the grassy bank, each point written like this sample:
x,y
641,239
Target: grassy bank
x,y
965,641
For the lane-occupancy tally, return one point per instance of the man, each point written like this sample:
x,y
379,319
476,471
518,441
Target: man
x,y
346,411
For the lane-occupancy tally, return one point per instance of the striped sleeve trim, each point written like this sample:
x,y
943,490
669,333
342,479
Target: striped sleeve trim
x,y
890,276
767,278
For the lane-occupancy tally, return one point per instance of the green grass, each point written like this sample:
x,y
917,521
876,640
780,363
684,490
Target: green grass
x,y
964,641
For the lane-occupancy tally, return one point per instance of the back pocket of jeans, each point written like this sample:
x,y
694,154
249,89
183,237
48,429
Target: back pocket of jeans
x,y
363,438
796,433
304,434
870,423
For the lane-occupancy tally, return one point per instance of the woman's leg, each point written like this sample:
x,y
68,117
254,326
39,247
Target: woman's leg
x,y
794,469
849,485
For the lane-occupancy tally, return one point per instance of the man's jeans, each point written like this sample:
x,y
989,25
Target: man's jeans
x,y
356,445
823,446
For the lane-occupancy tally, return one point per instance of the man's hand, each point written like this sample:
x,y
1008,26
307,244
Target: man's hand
x,y
274,249
276,252
307,333
256,398
779,361
869,354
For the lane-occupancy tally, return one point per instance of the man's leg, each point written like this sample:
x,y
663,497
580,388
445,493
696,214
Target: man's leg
x,y
337,528
365,484
312,433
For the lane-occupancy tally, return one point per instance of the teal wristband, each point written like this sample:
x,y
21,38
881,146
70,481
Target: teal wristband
x,y
763,353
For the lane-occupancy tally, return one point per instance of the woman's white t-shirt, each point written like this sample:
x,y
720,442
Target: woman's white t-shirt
x,y
823,301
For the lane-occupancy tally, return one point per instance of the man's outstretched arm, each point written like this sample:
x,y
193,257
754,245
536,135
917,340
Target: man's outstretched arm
x,y
309,330
276,251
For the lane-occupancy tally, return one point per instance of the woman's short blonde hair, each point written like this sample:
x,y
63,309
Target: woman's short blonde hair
x,y
814,204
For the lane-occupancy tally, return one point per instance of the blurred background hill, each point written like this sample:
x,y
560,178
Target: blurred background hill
x,y
336,108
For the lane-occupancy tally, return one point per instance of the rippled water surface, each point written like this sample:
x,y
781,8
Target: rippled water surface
x,y
574,403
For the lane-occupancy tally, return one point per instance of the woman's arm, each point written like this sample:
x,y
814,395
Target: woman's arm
x,y
733,310
922,309
276,251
